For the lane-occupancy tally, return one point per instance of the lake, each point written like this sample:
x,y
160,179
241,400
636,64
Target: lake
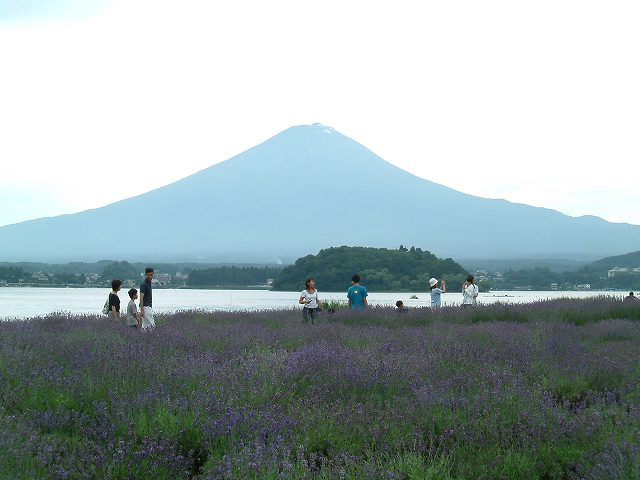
x,y
25,302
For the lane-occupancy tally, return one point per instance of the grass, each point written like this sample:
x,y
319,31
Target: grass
x,y
541,391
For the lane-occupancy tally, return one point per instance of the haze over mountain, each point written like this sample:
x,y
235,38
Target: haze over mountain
x,y
305,189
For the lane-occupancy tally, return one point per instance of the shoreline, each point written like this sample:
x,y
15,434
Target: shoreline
x,y
270,289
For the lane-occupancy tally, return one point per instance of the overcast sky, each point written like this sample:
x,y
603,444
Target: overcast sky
x,y
533,102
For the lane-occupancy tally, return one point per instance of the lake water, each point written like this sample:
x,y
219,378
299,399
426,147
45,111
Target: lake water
x,y
25,302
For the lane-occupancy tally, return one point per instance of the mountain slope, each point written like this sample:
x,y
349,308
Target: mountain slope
x,y
305,189
627,260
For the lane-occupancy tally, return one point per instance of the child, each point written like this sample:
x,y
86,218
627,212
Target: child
x,y
133,316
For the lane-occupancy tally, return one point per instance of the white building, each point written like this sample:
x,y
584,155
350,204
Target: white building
x,y
617,271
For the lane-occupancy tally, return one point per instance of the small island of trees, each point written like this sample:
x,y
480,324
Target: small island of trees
x,y
381,269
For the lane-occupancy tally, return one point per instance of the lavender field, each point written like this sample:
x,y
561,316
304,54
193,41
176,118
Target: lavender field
x,y
548,390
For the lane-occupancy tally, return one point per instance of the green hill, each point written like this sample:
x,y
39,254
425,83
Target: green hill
x,y
380,269
595,274
628,260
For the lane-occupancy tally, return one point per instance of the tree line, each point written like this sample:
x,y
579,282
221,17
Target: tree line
x,y
104,272
232,276
403,269
541,278
381,269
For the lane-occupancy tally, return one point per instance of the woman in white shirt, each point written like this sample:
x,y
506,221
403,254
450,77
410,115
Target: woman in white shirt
x,y
469,292
309,298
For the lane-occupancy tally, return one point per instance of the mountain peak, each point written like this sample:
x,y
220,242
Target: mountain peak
x,y
308,188
309,130
325,128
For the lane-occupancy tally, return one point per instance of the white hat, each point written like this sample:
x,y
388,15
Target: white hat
x,y
432,282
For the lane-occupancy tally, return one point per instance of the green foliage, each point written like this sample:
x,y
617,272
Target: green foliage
x,y
595,274
422,395
70,279
121,270
232,276
631,259
13,274
334,305
413,466
538,278
380,269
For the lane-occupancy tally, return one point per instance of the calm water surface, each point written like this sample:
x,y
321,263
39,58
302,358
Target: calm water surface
x,y
27,302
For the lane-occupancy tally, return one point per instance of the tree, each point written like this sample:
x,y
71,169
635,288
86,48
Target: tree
x,y
13,274
120,270
232,276
381,269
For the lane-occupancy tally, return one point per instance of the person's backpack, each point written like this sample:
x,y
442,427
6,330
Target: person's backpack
x,y
105,308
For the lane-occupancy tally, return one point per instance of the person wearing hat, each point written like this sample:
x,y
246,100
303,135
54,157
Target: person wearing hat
x,y
436,292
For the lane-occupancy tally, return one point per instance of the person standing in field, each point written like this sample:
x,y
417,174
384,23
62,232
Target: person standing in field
x,y
631,298
469,292
309,298
146,300
436,292
357,294
114,300
132,318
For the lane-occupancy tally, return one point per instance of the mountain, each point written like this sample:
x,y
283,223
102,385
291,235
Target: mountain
x,y
305,189
627,260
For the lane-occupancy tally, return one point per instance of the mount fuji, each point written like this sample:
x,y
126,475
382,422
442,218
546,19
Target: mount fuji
x,y
308,188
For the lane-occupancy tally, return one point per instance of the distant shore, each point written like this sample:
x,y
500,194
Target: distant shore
x,y
163,287
268,287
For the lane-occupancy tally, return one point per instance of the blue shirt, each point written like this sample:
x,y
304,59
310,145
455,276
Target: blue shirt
x,y
357,294
435,297
145,288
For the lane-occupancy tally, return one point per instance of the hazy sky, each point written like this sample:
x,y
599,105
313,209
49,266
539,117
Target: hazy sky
x,y
534,102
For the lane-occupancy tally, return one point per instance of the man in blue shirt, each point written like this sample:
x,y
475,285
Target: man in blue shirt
x,y
357,294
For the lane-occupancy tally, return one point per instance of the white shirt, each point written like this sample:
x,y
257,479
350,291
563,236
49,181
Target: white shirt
x,y
310,296
469,294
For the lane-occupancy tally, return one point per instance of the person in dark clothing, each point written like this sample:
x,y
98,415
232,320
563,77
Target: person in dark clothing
x,y
114,300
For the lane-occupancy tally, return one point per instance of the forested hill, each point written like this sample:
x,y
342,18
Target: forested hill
x,y
628,260
380,269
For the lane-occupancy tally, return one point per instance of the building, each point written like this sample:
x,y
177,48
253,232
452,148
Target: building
x,y
619,271
92,277
162,279
41,276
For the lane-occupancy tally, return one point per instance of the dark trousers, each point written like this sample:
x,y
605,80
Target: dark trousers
x,y
309,314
